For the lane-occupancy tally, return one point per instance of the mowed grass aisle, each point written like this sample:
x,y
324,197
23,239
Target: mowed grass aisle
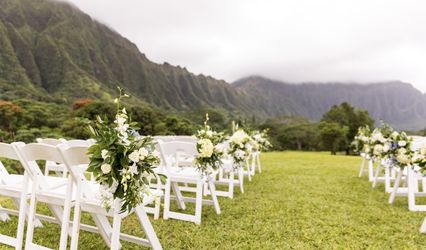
x,y
300,201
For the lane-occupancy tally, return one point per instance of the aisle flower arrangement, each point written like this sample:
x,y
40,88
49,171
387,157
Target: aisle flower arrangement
x,y
419,158
380,142
121,160
210,149
240,146
362,140
400,151
260,140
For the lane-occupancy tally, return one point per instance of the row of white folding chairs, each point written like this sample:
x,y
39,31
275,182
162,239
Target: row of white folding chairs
x,y
399,182
61,194
171,167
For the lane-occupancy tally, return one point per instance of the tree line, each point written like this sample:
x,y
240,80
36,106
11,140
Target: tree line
x,y
25,120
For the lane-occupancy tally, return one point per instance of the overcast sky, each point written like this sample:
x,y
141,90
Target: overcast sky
x,y
294,41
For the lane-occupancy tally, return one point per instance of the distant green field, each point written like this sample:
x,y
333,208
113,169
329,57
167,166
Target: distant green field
x,y
300,201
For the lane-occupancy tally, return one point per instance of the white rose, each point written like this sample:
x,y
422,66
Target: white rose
x,y
134,156
209,133
143,153
403,158
133,169
106,168
386,147
402,143
207,148
378,149
402,151
104,153
394,134
238,137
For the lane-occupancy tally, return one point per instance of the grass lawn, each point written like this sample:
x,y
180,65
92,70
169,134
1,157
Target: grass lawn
x,y
300,201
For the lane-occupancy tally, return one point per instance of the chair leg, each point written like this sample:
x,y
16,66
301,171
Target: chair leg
x,y
157,208
147,228
241,178
395,187
66,216
231,184
178,194
167,199
411,190
361,169
376,175
76,226
370,170
116,226
31,215
199,202
248,170
259,167
22,214
214,197
423,227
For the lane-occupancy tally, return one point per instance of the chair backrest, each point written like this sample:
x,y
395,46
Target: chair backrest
x,y
74,156
170,138
77,142
30,153
170,150
49,141
6,151
418,142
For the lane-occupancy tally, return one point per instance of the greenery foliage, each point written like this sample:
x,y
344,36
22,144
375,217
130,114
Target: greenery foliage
x,y
121,160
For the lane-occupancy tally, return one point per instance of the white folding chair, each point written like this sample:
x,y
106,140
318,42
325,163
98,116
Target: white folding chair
x,y
170,152
87,199
50,166
15,187
46,189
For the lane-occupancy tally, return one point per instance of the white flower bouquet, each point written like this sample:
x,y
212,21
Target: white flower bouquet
x,y
400,151
240,146
362,140
121,160
210,149
260,140
419,158
380,142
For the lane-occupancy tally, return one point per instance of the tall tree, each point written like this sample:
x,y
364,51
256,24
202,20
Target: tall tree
x,y
347,116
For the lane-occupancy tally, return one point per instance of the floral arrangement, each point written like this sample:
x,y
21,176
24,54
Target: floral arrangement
x,y
121,160
240,146
400,149
260,140
419,158
210,149
362,139
380,142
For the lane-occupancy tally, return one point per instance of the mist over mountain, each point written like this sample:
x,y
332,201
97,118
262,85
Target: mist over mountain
x,y
396,102
52,52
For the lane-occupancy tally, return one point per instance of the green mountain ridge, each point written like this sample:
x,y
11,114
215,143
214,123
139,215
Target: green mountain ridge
x,y
395,102
50,51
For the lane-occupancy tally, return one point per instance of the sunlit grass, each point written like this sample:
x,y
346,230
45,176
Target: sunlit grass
x,y
301,200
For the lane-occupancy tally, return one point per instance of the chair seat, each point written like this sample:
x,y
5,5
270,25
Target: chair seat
x,y
15,183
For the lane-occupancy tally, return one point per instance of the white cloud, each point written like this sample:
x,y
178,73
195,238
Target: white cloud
x,y
317,40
